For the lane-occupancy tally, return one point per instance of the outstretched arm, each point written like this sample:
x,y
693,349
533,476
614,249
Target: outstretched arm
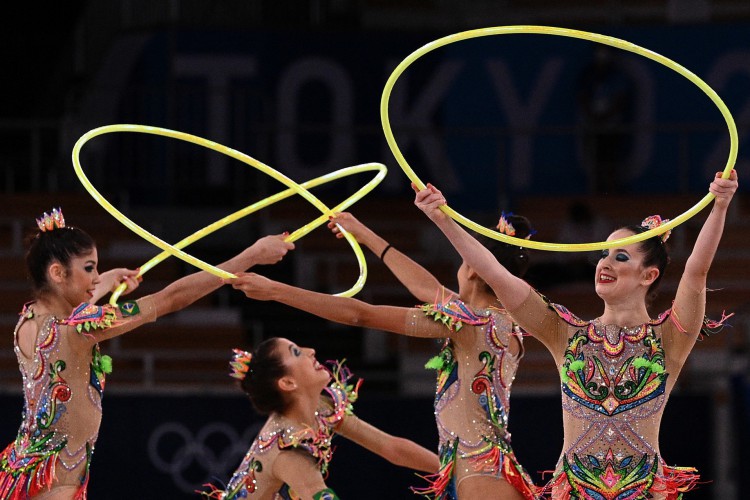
x,y
690,302
511,290
345,310
397,450
185,291
418,280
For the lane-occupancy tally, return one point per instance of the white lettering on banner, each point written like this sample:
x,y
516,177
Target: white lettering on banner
x,y
414,115
732,65
523,115
339,84
219,71
415,124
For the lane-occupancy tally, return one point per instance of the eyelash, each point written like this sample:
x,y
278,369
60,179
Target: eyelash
x,y
296,351
620,257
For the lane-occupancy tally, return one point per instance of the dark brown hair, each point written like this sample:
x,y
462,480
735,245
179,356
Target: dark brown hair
x,y
264,370
654,254
55,245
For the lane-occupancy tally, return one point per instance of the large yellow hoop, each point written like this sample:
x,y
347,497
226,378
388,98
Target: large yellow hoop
x,y
293,188
547,30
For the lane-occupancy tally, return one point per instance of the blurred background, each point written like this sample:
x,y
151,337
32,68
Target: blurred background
x,y
578,137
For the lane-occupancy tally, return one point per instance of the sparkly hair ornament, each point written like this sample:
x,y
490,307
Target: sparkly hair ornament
x,y
654,221
240,364
49,222
504,226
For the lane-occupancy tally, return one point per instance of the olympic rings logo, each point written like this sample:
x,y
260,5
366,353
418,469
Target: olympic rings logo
x,y
192,460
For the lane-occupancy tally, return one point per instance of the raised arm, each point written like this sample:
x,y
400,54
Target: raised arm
x,y
511,290
690,301
418,280
397,450
345,310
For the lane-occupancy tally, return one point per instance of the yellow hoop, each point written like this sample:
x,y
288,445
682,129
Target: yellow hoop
x,y
294,236
293,188
547,30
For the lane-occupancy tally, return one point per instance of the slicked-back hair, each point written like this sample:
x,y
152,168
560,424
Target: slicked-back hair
x,y
56,245
654,254
260,383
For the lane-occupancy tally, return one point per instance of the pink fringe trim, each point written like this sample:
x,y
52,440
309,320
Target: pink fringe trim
x,y
438,482
555,485
513,473
31,479
672,483
490,461
213,492
709,327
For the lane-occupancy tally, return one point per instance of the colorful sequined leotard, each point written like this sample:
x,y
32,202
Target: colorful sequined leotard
x,y
476,368
254,478
63,382
615,384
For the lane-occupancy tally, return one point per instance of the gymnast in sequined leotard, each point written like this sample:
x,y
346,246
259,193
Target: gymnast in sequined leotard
x,y
476,366
56,342
615,382
618,370
289,458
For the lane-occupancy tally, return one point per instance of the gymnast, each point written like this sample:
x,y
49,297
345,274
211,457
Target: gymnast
x,y
292,452
617,370
476,365
57,340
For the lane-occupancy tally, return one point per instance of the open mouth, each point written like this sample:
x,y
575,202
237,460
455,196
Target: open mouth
x,y
603,278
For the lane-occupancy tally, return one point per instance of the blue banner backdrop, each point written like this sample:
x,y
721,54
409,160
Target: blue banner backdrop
x,y
498,116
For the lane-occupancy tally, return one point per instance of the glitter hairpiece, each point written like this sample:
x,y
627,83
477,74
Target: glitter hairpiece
x,y
504,226
507,228
654,221
240,364
49,222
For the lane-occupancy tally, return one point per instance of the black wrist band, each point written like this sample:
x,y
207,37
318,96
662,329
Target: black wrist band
x,y
385,250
